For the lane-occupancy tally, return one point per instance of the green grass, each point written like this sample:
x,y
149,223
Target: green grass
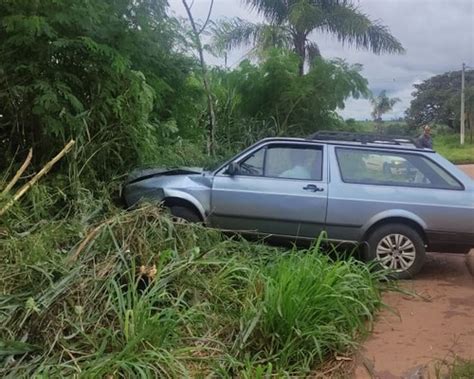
x,y
462,369
94,291
448,146
456,369
312,306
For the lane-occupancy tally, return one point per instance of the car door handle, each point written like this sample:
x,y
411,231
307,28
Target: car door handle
x,y
313,188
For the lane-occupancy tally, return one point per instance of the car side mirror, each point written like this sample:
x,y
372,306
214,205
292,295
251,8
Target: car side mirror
x,y
233,168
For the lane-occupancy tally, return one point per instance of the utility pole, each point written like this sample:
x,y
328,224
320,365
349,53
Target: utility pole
x,y
463,123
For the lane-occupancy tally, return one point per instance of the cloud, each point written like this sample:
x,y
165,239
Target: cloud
x,y
437,34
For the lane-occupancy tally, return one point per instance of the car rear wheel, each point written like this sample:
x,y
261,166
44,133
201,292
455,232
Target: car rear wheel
x,y
184,214
398,248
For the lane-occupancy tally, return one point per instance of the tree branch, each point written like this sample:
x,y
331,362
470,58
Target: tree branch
x,y
207,19
37,177
19,173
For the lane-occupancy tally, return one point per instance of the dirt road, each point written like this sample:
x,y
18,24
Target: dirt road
x,y
420,331
468,169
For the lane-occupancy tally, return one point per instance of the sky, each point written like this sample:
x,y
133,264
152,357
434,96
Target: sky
x,y
438,36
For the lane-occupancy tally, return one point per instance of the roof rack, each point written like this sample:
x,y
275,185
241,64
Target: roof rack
x,y
364,138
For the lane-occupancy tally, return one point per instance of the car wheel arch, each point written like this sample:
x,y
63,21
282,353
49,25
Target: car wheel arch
x,y
396,220
171,201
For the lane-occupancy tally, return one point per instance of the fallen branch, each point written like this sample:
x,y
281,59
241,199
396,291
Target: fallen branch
x,y
37,177
19,173
89,237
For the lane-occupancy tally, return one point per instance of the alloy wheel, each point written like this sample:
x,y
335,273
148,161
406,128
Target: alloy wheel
x,y
396,252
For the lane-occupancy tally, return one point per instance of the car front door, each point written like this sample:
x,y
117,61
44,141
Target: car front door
x,y
279,189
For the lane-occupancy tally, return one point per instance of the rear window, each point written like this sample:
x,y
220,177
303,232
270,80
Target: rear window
x,y
393,168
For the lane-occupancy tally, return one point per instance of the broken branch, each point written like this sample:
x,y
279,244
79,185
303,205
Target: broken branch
x,y
37,177
19,173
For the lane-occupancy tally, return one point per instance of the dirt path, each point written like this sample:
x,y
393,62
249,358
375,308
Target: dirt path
x,y
420,331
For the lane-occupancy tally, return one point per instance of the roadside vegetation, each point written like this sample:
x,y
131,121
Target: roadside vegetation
x,y
456,369
94,291
462,369
449,147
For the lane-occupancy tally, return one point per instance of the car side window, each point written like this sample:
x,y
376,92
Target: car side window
x,y
253,165
294,162
286,162
392,168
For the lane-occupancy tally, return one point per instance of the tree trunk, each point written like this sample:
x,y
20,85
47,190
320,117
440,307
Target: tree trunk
x,y
207,89
300,49
471,124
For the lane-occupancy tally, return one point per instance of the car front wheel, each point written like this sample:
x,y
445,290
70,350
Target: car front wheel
x,y
184,214
398,248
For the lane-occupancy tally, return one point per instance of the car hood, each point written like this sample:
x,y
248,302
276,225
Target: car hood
x,y
143,174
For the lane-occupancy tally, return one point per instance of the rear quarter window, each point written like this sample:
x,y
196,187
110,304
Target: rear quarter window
x,y
361,166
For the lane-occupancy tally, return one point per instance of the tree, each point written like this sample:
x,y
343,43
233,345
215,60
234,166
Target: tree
x,y
104,73
271,99
469,107
382,104
437,99
290,22
199,47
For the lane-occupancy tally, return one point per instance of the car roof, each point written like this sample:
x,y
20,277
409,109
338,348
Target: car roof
x,y
365,140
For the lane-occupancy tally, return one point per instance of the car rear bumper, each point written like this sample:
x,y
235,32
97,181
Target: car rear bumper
x,y
452,242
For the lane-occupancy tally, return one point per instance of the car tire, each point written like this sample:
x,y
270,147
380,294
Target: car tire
x,y
384,247
186,214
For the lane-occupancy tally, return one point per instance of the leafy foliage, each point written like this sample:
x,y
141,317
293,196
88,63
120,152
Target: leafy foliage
x,y
253,94
100,72
437,99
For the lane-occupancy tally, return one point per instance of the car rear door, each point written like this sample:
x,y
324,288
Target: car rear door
x,y
281,189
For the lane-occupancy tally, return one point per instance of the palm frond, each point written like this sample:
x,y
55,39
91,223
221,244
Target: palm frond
x,y
274,36
276,11
313,52
230,33
235,32
355,28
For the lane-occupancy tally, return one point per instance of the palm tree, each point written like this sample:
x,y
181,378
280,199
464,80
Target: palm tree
x,y
290,22
382,104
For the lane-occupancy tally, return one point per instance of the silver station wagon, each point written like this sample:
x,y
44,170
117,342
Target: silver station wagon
x,y
396,200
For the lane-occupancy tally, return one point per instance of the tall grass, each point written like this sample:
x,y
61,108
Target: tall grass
x,y
313,306
95,291
448,145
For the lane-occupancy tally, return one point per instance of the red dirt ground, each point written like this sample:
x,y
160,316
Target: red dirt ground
x,y
419,332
